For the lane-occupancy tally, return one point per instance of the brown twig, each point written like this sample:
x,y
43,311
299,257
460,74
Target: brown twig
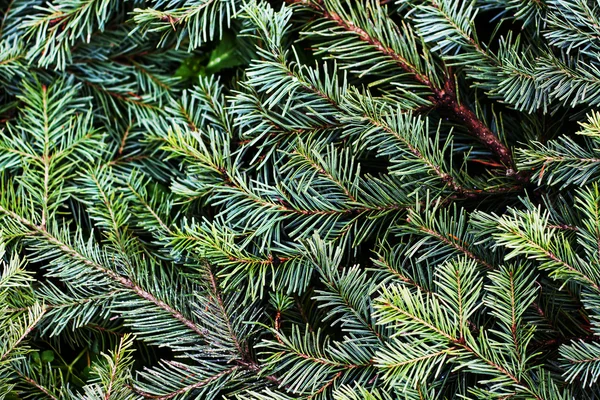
x,y
444,98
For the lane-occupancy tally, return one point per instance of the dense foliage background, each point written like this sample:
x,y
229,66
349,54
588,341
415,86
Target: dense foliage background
x,y
319,199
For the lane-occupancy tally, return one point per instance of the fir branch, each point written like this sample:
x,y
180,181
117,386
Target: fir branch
x,y
228,222
444,96
35,316
40,387
188,388
115,277
397,305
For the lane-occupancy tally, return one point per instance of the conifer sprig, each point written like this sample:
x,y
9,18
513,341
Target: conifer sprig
x,y
301,199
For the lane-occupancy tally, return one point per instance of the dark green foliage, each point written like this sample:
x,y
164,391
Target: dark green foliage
x,y
310,199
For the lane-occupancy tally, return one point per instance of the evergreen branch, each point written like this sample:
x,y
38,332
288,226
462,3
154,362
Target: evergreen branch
x,y
404,363
38,386
110,379
72,311
123,281
155,214
382,261
322,167
569,80
424,316
444,96
422,311
581,360
327,384
525,232
5,15
11,60
444,232
573,25
564,159
432,165
57,27
459,286
116,217
189,388
199,22
217,295
296,353
35,316
131,98
460,247
550,255
512,292
451,21
347,292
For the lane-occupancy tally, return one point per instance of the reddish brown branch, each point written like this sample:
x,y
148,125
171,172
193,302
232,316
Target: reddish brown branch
x,y
254,367
444,98
188,388
552,344
245,361
35,384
